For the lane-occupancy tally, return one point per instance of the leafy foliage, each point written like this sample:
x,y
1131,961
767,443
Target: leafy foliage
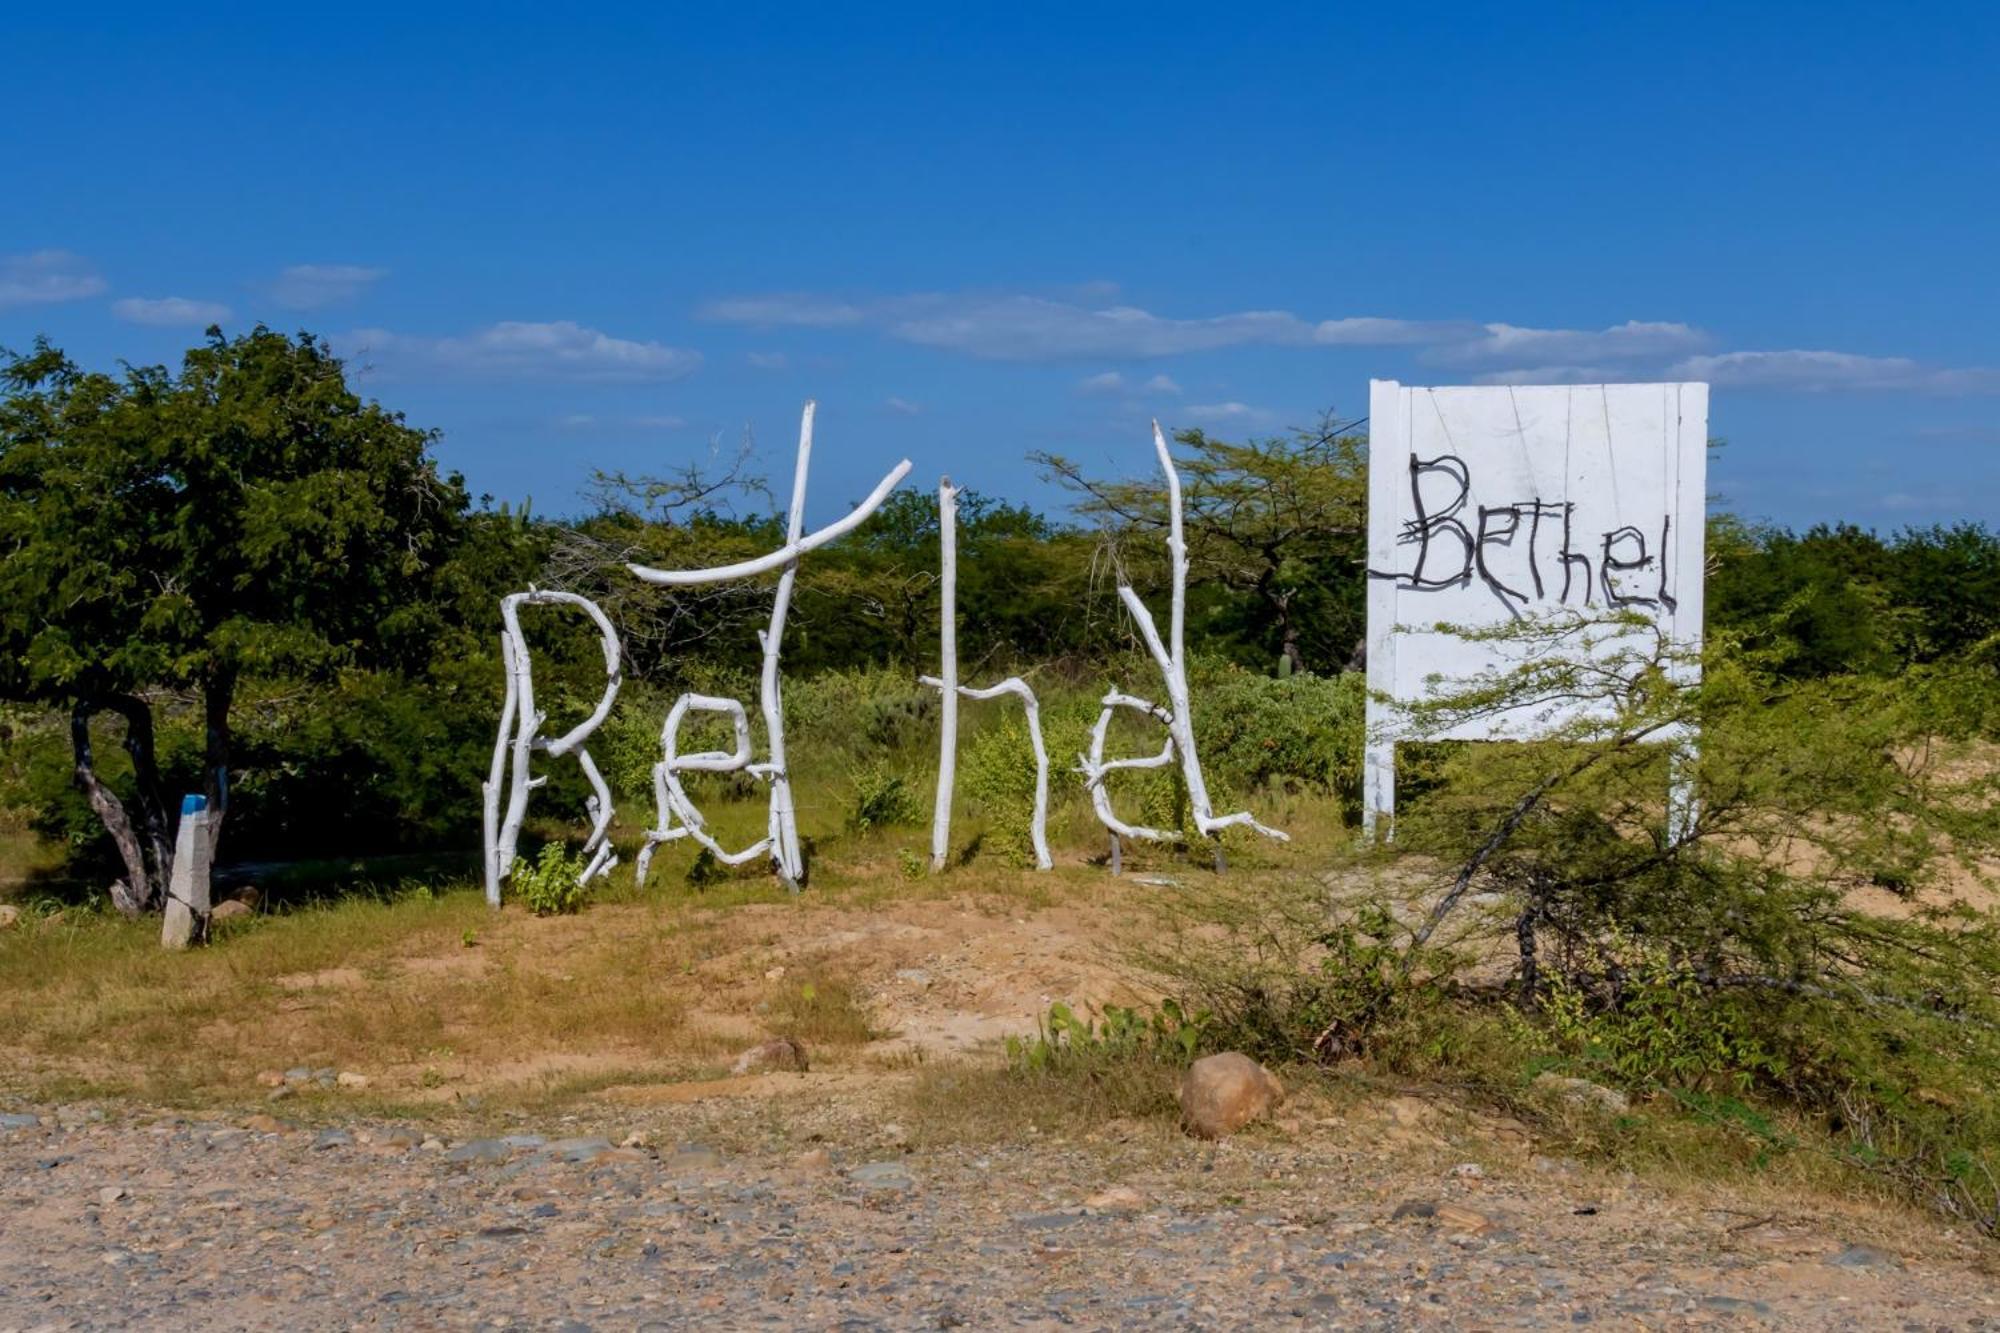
x,y
1065,1039
550,884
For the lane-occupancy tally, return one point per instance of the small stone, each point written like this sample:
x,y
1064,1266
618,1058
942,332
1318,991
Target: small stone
x,y
1860,1256
1222,1093
279,1093
1117,1199
479,1150
232,909
298,1074
813,1159
271,1078
1465,1219
693,1157
111,1194
396,1140
578,1150
347,1078
1418,1208
894,1135
775,974
265,1123
913,976
1582,1092
1468,1171
636,1139
10,916
883,1176
12,1121
333,1138
779,1053
432,1144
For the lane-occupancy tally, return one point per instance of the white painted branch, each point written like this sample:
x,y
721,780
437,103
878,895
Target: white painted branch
x,y
781,839
490,789
1171,659
1039,825
948,671
789,553
784,824
519,715
1095,767
1176,543
672,799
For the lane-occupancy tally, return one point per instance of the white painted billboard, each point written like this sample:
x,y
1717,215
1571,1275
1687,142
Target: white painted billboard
x,y
1495,503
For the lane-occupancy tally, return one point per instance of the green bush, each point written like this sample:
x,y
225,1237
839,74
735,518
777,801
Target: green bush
x,y
1066,1041
549,885
883,798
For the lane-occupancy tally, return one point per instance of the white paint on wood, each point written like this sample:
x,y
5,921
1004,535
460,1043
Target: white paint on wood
x,y
186,916
1178,718
947,678
520,737
1493,505
677,816
950,691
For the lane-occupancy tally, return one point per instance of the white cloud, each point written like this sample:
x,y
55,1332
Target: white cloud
x,y
44,277
590,421
1009,327
1517,346
1111,383
795,310
1557,375
316,286
169,311
1228,414
1369,331
1819,371
768,360
561,349
1018,327
1030,328
902,407
1074,327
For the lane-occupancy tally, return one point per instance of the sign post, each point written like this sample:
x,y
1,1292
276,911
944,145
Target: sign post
x,y
1491,505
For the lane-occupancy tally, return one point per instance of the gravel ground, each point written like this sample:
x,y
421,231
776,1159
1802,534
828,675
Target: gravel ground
x,y
146,1220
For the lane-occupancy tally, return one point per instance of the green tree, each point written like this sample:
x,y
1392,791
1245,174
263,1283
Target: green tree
x,y
177,532
1280,525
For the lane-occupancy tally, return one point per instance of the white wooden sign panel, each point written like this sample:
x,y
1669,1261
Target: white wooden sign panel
x,y
1491,504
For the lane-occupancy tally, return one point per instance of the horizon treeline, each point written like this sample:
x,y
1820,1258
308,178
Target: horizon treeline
x,y
241,577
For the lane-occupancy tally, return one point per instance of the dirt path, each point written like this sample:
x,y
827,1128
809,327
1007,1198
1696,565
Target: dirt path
x,y
805,1212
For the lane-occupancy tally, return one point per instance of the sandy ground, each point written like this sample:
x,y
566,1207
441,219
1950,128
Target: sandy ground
x,y
806,1209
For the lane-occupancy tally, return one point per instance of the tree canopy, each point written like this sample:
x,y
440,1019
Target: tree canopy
x,y
173,531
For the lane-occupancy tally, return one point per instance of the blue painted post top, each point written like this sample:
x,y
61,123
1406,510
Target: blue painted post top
x,y
193,804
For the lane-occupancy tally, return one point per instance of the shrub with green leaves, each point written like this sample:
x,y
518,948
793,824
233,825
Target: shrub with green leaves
x,y
1065,1039
883,798
549,885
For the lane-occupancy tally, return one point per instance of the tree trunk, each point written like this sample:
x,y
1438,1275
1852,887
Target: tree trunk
x,y
140,887
155,827
217,695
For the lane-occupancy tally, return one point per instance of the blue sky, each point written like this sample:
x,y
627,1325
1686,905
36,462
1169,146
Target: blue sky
x,y
577,239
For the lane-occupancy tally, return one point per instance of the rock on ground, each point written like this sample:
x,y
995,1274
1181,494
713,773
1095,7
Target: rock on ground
x,y
1222,1093
778,1054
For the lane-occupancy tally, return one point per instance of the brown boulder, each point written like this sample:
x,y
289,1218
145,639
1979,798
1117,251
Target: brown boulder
x,y
1223,1093
234,909
779,1053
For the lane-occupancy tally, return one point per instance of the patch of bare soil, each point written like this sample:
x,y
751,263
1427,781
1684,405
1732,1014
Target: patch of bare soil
x,y
811,1211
